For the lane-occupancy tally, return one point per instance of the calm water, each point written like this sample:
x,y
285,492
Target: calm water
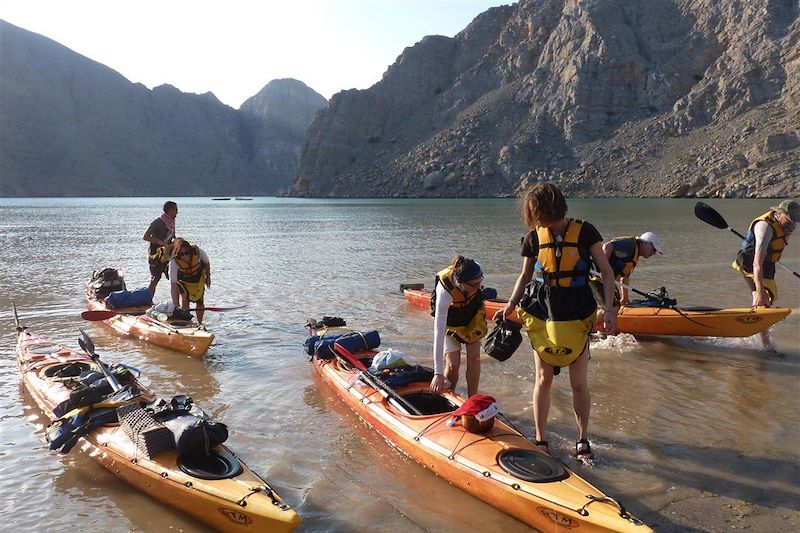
x,y
669,418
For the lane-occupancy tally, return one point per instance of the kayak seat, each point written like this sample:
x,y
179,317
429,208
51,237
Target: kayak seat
x,y
218,464
66,370
429,403
701,309
531,466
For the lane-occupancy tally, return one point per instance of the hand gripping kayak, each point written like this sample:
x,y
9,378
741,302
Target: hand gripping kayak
x,y
364,375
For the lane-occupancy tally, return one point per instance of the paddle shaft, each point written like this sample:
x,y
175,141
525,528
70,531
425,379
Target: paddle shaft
x,y
105,314
711,216
363,374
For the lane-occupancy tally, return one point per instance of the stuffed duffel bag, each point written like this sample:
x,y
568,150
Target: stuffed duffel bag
x,y
135,298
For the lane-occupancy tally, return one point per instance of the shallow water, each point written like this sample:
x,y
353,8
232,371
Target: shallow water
x,y
670,416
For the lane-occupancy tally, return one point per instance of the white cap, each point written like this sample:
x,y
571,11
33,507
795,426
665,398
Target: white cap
x,y
652,238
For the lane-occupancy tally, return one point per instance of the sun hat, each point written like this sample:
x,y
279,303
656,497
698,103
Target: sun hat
x,y
791,208
652,238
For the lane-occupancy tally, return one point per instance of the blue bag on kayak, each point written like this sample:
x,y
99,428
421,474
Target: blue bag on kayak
x,y
352,342
135,298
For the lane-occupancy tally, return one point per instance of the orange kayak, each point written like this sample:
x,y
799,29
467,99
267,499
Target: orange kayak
x,y
184,337
690,322
500,467
239,500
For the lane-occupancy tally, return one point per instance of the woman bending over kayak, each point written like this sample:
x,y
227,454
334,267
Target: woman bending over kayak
x,y
559,309
460,318
189,275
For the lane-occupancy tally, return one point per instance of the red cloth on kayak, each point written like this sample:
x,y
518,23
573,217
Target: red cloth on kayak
x,y
481,406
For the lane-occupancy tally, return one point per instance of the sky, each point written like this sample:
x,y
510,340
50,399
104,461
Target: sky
x,y
234,47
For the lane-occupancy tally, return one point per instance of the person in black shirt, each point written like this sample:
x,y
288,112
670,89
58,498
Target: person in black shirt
x,y
160,235
558,308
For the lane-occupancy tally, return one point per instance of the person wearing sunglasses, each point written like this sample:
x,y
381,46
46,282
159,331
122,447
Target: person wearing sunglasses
x,y
762,247
459,319
556,303
189,275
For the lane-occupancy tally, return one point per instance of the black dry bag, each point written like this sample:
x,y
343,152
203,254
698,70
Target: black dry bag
x,y
503,340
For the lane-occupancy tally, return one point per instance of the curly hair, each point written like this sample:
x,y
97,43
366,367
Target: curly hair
x,y
541,204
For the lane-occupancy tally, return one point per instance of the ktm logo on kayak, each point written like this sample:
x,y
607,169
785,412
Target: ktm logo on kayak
x,y
558,351
751,319
560,520
237,517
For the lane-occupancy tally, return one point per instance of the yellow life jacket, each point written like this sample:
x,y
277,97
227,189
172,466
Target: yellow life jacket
x,y
774,249
558,342
466,317
625,256
192,275
562,263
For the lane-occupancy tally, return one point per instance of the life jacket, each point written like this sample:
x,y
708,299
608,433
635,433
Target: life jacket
x,y
562,263
774,250
466,317
625,256
192,275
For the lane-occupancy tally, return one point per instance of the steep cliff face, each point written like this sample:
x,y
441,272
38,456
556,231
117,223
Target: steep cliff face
x,y
71,126
607,97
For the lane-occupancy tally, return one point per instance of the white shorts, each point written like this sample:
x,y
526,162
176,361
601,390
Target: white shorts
x,y
451,344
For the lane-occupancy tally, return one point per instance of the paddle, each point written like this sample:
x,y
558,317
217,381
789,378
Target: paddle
x,y
88,346
659,298
364,375
105,314
709,215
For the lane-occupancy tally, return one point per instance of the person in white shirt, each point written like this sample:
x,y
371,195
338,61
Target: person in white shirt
x,y
189,275
460,318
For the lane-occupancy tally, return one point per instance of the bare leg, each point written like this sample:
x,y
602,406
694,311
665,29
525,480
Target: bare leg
x,y
473,367
153,285
452,362
201,309
581,399
541,397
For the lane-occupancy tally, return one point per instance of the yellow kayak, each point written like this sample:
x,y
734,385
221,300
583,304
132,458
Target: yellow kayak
x,y
219,490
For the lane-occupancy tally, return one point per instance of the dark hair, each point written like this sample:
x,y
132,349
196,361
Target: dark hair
x,y
178,244
169,204
541,204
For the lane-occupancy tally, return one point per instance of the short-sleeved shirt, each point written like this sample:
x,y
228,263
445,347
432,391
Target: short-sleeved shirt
x,y
160,231
586,238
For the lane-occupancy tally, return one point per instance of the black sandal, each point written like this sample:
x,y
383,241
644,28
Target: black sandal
x,y
583,450
543,445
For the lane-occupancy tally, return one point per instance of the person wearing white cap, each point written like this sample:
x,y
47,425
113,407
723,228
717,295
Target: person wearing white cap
x,y
459,318
623,253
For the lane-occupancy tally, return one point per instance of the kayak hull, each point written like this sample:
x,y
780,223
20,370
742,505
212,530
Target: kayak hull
x,y
190,339
698,322
469,461
214,502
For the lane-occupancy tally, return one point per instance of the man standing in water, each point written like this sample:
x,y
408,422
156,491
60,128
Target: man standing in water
x,y
160,235
762,248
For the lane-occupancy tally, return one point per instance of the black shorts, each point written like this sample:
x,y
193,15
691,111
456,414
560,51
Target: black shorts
x,y
599,294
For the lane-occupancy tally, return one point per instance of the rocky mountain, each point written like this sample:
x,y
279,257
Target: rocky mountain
x,y
73,127
606,97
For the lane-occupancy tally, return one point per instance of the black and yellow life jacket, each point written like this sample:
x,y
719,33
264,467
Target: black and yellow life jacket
x,y
190,271
466,317
562,262
625,256
774,250
559,311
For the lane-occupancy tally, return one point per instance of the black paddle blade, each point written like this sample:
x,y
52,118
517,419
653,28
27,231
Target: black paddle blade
x,y
86,342
709,215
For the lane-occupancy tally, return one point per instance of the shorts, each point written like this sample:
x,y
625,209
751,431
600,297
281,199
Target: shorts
x,y
598,291
451,344
769,284
158,269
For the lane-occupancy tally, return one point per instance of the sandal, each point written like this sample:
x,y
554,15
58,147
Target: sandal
x,y
583,450
543,445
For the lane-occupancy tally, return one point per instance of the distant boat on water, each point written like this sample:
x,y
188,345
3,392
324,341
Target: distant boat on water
x,y
221,198
242,198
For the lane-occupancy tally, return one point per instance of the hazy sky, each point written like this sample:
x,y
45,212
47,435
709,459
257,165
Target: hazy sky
x,y
234,47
